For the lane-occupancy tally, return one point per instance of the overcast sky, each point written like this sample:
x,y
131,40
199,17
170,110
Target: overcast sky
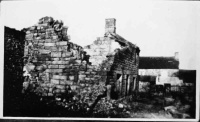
x,y
159,28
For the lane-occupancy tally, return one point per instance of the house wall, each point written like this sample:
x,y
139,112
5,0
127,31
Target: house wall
x,y
55,66
161,77
99,50
105,47
126,60
159,72
107,54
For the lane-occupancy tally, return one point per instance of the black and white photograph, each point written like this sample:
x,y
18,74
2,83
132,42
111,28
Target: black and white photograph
x,y
119,60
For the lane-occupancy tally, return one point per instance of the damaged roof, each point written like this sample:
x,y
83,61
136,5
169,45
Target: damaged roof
x,y
158,63
120,40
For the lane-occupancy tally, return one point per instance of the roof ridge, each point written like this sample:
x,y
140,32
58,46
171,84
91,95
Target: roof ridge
x,y
156,56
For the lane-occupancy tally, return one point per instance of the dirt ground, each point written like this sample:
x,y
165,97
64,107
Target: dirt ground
x,y
158,107
143,106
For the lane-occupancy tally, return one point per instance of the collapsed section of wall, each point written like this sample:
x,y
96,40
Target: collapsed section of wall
x,y
117,56
54,66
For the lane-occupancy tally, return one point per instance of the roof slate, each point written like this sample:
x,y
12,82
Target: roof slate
x,y
158,63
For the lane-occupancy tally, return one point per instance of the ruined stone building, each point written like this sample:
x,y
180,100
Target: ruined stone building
x,y
119,57
53,64
42,60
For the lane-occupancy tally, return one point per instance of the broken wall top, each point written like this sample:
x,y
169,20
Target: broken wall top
x,y
123,42
49,31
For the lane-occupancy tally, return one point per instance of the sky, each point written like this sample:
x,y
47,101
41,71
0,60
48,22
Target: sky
x,y
159,28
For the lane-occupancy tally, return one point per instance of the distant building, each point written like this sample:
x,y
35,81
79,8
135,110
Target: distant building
x,y
163,70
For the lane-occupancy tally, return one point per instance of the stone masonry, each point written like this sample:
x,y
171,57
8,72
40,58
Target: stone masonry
x,y
54,65
117,56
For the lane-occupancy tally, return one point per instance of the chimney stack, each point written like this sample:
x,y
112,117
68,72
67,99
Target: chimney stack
x,y
176,56
110,25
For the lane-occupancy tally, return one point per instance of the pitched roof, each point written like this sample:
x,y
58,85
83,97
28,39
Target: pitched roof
x,y
158,63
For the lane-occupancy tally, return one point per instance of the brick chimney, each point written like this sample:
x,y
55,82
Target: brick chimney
x,y
176,56
110,25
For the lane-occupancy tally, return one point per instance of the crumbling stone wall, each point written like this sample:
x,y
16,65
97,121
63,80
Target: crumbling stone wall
x,y
56,67
98,50
126,59
126,63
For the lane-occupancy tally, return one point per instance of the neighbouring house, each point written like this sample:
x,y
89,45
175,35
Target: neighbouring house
x,y
163,71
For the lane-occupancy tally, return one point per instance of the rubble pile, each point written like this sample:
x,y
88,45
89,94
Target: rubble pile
x,y
113,108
